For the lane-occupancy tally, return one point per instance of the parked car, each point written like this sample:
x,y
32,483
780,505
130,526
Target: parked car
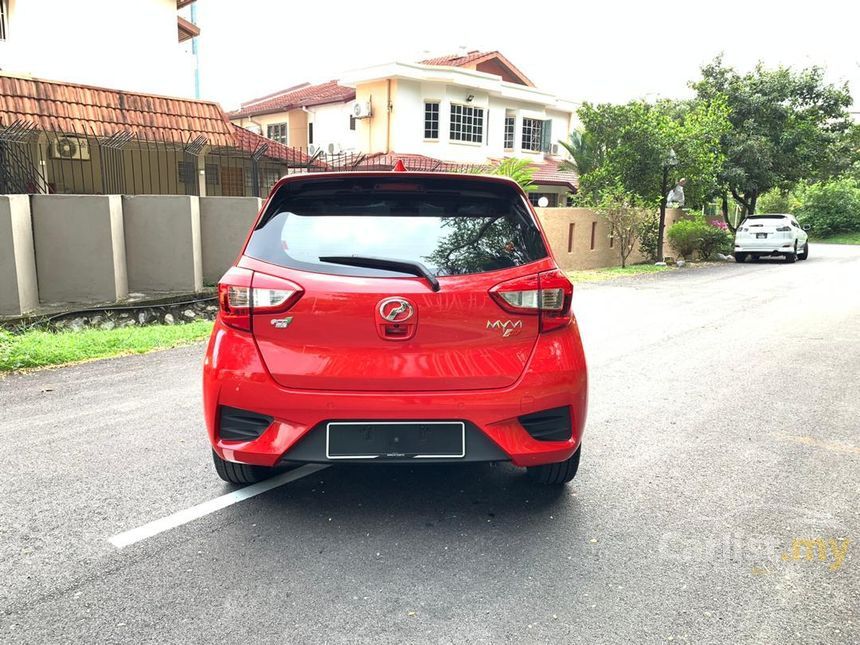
x,y
761,235
395,317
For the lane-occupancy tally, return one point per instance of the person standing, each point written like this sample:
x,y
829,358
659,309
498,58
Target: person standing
x,y
675,198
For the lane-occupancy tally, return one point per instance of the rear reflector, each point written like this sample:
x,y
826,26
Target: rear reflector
x,y
243,293
235,424
548,295
548,425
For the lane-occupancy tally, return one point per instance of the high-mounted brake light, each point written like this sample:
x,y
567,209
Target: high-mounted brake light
x,y
399,166
547,294
243,293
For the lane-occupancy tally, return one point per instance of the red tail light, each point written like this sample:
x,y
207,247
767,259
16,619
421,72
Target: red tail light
x,y
546,294
243,293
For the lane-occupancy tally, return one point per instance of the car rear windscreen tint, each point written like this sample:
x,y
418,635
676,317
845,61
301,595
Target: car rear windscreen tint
x,y
452,226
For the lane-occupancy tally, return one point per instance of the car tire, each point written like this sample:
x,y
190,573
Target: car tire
x,y
240,473
791,257
556,474
804,253
740,258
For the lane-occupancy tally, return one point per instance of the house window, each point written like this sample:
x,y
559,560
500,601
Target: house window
x,y
593,234
351,122
532,134
277,132
212,174
571,227
310,133
467,123
509,132
4,18
233,182
431,120
186,172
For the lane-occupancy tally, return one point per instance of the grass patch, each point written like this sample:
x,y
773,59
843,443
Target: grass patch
x,y
842,238
38,348
610,273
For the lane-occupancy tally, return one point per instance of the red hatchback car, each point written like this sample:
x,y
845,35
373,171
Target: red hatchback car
x,y
395,317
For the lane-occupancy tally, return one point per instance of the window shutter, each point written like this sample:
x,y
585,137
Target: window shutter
x,y
546,136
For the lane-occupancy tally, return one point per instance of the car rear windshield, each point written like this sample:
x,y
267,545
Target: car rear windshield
x,y
755,217
450,225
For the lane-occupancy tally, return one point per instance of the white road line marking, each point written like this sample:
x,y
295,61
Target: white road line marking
x,y
179,518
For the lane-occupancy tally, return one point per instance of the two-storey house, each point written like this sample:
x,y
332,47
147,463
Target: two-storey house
x,y
471,108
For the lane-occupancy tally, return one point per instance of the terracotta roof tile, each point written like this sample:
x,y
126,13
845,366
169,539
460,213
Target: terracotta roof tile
x,y
457,60
549,173
296,97
250,142
73,108
494,61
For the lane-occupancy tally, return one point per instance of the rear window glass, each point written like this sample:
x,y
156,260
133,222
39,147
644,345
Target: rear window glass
x,y
757,217
451,226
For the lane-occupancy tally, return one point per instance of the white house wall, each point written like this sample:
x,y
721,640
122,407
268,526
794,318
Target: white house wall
x,y
331,125
407,122
127,44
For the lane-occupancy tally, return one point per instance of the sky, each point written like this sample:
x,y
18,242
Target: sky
x,y
607,51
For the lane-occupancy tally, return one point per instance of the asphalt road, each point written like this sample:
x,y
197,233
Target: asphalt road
x,y
723,426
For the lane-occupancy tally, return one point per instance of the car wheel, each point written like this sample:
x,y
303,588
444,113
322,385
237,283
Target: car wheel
x,y
556,474
805,253
791,257
240,473
740,258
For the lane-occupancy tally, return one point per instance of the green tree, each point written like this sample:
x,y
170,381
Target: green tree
x,y
625,213
647,146
520,170
784,125
585,152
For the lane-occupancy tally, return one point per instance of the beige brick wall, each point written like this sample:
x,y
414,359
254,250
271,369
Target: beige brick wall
x,y
580,238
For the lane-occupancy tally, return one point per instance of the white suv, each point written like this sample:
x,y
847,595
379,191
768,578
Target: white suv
x,y
760,235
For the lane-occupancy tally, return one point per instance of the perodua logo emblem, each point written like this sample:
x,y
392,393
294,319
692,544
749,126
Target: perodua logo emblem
x,y
396,310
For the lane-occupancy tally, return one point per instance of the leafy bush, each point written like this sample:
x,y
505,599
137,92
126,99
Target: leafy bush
x,y
647,234
686,236
829,207
715,239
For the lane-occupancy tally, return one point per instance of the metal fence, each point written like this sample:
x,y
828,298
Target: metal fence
x,y
33,160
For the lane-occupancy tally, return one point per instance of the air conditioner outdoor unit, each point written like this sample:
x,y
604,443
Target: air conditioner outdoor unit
x,y
70,148
554,149
334,148
313,149
361,109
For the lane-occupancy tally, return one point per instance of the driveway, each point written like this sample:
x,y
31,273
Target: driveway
x,y
722,444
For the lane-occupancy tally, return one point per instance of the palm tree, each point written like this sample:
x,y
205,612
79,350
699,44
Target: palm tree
x,y
587,155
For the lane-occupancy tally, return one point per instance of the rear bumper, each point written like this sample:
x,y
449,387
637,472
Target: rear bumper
x,y
555,376
765,246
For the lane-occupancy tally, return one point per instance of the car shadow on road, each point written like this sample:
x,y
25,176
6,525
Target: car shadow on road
x,y
422,496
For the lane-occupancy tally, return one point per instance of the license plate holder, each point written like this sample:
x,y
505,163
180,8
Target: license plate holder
x,y
761,236
395,440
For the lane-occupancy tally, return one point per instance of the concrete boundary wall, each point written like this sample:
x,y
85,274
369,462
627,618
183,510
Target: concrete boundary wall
x,y
80,248
162,243
19,290
580,238
224,224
